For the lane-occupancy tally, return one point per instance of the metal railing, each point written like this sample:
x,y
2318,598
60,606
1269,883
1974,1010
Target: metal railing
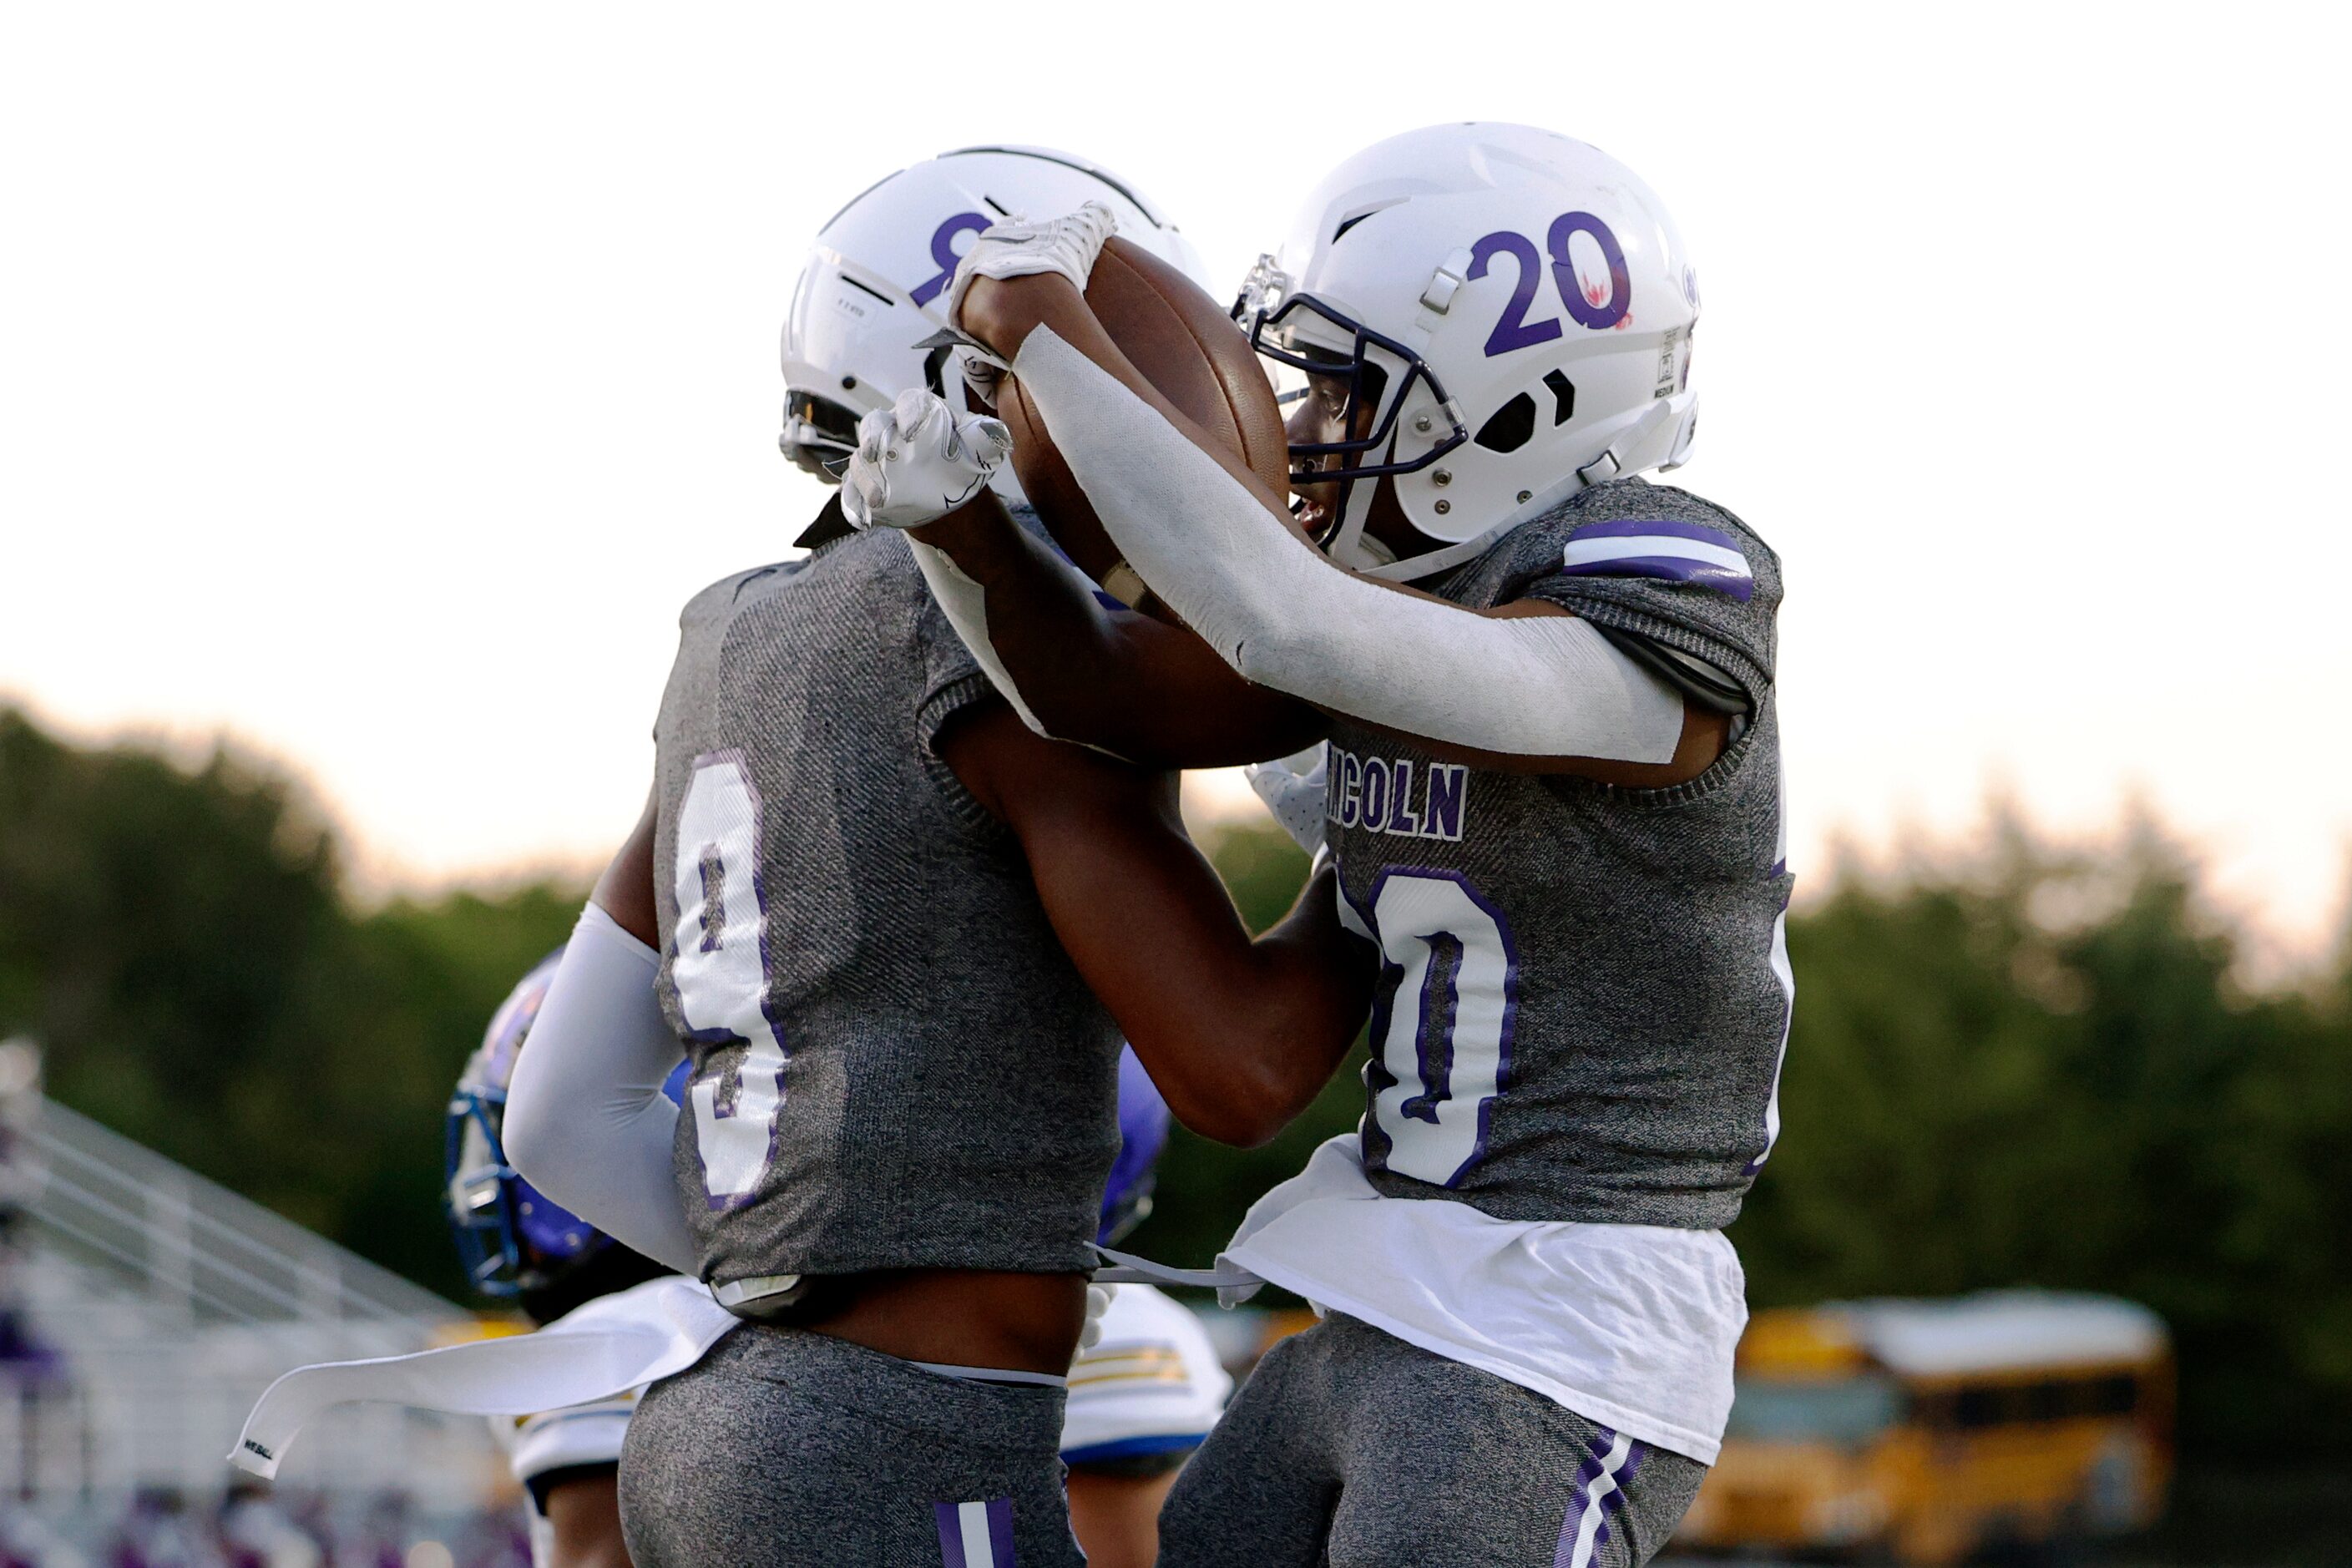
x,y
173,1302
193,1246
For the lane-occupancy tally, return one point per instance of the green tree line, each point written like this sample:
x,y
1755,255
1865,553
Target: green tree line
x,y
2036,1068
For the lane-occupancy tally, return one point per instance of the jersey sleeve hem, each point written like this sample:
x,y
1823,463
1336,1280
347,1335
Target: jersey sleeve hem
x,y
1579,597
1725,771
942,704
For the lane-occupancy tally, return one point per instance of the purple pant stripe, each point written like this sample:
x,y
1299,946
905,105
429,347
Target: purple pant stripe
x,y
949,1517
1564,1555
950,1534
1000,1531
1580,1498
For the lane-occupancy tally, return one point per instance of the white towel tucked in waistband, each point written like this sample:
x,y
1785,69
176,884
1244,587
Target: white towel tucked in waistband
x,y
612,1344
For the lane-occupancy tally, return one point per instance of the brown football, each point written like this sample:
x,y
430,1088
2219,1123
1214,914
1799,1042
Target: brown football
x,y
1188,349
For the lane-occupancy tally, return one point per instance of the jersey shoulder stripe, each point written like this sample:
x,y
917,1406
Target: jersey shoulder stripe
x,y
1650,560
1660,547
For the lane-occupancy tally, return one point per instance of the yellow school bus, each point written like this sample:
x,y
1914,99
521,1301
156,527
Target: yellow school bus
x,y
1926,1430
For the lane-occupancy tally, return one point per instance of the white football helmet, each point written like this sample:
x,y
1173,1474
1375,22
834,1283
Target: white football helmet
x,y
1514,307
871,292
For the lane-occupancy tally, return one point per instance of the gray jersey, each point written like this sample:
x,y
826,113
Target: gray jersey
x,y
895,1064
1584,992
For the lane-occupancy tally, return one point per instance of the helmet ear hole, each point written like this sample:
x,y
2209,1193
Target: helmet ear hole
x,y
1510,427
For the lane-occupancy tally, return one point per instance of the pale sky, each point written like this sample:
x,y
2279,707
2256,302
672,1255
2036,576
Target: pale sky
x,y
376,382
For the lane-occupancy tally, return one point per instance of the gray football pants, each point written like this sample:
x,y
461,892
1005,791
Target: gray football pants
x,y
1350,1448
783,1449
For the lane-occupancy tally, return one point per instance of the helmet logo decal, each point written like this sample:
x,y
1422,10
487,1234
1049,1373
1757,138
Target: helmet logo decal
x,y
944,256
1588,302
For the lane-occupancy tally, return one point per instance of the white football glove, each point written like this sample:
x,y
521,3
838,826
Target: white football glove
x,y
1097,1303
1019,248
916,462
1293,788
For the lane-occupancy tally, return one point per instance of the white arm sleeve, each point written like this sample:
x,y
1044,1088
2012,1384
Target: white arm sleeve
x,y
1285,616
586,1120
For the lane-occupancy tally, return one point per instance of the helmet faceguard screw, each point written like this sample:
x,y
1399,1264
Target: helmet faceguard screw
x,y
1444,506
1422,425
1526,496
1443,477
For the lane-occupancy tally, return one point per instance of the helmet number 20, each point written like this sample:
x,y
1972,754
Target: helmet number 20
x,y
718,967
1588,305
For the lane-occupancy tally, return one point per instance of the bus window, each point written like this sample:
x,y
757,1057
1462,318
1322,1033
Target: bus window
x,y
1845,1411
2011,1404
1980,1406
2116,1395
1937,1411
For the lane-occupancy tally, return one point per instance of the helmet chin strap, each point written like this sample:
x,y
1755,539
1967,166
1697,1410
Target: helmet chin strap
x,y
1413,568
1351,546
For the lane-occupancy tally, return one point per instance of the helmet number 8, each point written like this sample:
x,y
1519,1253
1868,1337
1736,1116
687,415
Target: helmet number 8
x,y
719,968
1587,304
1442,1040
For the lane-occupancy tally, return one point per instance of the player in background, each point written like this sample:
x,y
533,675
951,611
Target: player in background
x,y
1553,808
1144,1397
517,1245
1141,1399
844,901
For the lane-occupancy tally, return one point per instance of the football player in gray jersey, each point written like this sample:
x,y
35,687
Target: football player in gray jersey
x,y
1551,796
898,936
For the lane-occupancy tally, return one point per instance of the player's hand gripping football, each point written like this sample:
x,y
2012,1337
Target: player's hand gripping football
x,y
1017,247
916,462
1063,246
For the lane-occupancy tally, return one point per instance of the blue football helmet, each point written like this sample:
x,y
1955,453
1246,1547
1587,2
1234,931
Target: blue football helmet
x,y
512,1237
1143,1134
